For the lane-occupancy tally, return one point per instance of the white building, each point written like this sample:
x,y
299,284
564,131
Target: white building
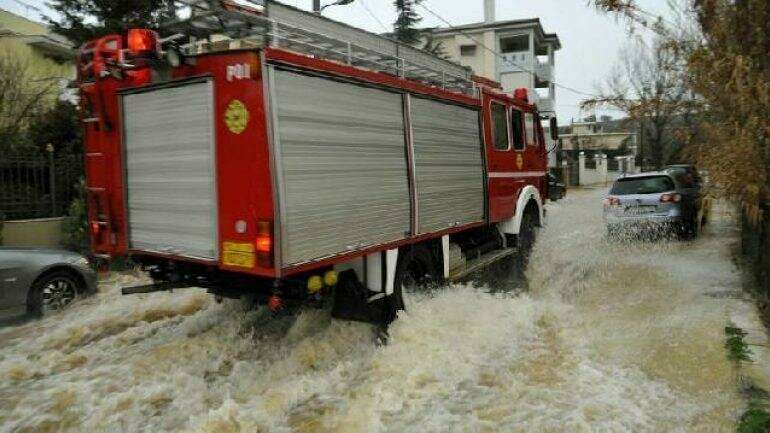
x,y
515,53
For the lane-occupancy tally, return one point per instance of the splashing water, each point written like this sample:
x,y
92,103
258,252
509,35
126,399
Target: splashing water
x,y
610,337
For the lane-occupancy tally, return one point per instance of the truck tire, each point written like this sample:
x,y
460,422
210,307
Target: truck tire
x,y
527,237
417,271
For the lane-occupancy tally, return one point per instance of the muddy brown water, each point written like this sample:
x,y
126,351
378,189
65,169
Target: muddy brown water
x,y
609,337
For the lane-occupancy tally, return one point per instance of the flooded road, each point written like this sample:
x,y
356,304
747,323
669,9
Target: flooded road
x,y
609,337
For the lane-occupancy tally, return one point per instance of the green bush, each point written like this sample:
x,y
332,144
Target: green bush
x,y
755,420
75,227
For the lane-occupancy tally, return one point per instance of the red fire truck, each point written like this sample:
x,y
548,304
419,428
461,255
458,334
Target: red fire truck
x,y
279,160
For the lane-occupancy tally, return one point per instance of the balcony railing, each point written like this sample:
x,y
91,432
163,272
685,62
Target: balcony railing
x,y
544,70
525,61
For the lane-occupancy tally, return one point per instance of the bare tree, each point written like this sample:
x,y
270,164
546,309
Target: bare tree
x,y
22,95
650,85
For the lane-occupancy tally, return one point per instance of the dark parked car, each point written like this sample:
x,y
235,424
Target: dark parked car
x,y
36,282
686,174
658,200
556,190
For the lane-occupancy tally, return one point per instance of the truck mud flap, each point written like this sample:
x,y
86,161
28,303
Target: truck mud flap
x,y
354,302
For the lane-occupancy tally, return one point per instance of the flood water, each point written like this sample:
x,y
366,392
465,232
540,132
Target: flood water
x,y
608,337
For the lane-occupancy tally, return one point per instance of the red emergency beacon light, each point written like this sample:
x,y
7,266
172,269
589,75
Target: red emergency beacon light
x,y
142,42
521,93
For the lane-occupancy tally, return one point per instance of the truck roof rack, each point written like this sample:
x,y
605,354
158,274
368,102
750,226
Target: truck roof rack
x,y
275,24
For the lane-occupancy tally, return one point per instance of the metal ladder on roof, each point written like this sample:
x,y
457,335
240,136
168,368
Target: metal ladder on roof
x,y
277,25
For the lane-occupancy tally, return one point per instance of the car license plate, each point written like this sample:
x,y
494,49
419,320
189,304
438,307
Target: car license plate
x,y
640,210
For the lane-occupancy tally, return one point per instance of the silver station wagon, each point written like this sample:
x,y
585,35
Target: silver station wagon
x,y
661,201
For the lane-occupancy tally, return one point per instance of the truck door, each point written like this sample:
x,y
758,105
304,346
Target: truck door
x,y
505,156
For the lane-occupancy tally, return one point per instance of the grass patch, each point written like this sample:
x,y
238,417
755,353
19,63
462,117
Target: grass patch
x,y
755,420
737,349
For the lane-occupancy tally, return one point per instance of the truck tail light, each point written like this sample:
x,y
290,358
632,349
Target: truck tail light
x,y
142,41
670,198
264,243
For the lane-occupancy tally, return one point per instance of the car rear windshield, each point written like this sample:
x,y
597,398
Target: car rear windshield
x,y
642,185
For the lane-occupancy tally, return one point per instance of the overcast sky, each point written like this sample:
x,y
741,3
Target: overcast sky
x,y
590,40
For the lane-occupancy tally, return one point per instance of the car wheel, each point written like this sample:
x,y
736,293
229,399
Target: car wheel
x,y
688,229
53,292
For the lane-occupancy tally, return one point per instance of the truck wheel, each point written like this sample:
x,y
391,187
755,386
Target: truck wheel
x,y
527,237
416,272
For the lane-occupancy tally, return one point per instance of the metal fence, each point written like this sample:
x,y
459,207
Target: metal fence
x,y
755,243
38,186
613,164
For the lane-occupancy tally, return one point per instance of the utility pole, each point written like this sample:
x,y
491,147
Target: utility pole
x,y
317,8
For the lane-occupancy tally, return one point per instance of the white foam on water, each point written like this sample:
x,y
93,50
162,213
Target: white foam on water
x,y
611,337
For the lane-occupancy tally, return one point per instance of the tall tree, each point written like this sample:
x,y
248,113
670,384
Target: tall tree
x,y
405,27
729,69
84,20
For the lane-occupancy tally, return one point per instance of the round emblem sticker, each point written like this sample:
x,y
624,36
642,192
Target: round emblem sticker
x,y
519,161
236,117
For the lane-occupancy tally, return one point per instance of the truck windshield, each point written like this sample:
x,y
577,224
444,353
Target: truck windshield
x,y
642,185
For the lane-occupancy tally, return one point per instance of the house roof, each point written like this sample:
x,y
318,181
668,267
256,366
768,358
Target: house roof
x,y
504,25
35,34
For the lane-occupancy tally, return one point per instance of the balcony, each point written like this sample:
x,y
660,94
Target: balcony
x,y
544,99
545,104
543,70
523,61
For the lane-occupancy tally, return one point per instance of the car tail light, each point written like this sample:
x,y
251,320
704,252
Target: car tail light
x,y
142,41
670,198
264,243
612,201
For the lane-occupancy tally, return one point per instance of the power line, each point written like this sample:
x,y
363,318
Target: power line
x,y
29,6
372,14
505,59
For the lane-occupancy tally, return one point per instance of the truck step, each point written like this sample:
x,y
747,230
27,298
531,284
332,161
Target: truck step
x,y
152,288
474,265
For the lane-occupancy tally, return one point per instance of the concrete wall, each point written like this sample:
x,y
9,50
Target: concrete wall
x,y
597,176
46,232
483,62
601,175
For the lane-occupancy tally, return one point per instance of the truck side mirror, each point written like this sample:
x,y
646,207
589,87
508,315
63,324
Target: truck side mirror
x,y
554,128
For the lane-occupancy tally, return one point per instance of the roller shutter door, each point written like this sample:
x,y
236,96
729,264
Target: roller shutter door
x,y
342,166
170,170
449,168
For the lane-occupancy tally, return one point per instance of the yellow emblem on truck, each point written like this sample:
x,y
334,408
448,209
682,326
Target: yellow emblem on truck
x,y
240,255
519,161
236,117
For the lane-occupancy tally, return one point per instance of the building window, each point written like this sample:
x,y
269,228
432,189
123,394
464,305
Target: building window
x,y
467,50
500,127
513,44
518,129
